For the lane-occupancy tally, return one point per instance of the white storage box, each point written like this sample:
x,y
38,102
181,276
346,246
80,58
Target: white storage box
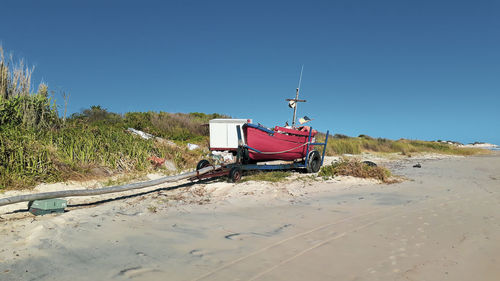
x,y
223,134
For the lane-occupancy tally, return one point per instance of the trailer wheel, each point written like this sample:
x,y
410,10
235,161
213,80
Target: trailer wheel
x,y
313,162
234,174
202,164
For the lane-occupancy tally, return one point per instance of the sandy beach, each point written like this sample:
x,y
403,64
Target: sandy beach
x,y
441,223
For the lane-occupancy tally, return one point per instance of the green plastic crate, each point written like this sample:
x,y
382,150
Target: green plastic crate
x,y
47,206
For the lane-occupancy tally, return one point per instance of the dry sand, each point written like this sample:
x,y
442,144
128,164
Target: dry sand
x,y
443,223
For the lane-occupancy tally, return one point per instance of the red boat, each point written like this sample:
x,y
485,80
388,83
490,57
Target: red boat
x,y
282,143
252,143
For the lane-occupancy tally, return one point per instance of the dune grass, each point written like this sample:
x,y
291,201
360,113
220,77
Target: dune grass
x,y
28,157
340,145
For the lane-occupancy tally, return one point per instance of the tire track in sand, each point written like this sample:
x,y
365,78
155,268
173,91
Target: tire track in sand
x,y
309,240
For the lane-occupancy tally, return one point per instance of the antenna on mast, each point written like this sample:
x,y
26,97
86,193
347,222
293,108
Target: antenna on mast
x,y
293,102
300,77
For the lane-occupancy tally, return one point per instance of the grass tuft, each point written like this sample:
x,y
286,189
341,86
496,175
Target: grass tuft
x,y
268,176
355,168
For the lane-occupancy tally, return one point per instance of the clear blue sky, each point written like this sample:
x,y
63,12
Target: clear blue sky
x,y
396,69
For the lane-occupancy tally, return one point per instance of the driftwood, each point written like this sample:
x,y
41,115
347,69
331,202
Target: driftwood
x,y
111,189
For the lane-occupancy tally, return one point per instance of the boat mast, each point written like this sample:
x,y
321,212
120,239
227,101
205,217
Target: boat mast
x,y
294,104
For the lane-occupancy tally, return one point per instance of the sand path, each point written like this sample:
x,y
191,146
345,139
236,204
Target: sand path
x,y
442,224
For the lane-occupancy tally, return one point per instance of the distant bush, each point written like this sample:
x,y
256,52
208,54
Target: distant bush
x,y
340,136
365,137
97,114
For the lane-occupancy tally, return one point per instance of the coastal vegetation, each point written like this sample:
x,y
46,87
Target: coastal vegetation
x,y
37,144
341,144
81,148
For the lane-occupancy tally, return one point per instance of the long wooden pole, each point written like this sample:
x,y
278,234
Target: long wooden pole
x,y
111,189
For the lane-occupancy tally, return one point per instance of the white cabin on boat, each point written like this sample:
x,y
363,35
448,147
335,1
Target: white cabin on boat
x,y
223,134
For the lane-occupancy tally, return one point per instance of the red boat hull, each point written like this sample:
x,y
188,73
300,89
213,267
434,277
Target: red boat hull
x,y
280,144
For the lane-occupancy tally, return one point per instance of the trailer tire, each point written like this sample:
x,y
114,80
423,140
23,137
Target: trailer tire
x,y
313,162
234,174
202,164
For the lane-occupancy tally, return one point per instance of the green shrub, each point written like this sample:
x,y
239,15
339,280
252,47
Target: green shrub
x,y
355,168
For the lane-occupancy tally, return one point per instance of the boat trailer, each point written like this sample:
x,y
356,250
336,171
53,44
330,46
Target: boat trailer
x,y
311,163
